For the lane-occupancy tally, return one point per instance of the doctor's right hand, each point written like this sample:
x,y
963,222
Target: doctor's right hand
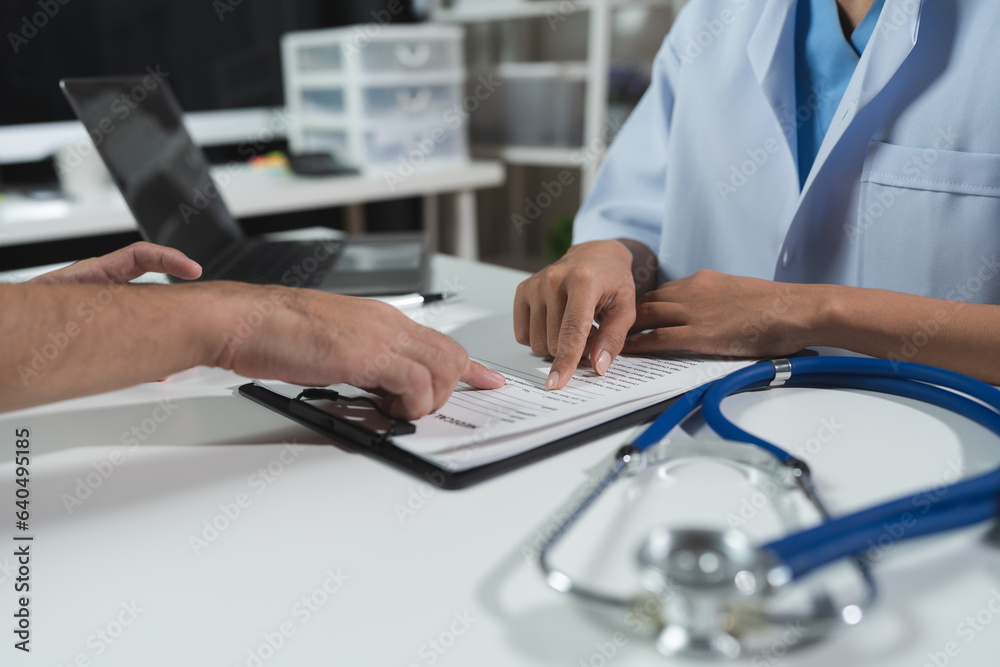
x,y
554,310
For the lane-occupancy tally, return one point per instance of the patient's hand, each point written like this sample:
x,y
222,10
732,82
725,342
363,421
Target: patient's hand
x,y
313,338
124,265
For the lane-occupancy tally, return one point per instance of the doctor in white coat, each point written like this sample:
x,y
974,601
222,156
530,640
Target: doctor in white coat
x,y
800,172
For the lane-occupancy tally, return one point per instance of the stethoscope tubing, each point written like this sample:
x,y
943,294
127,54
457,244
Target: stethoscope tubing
x,y
958,505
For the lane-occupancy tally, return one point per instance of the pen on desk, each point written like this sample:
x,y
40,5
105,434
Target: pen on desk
x,y
420,299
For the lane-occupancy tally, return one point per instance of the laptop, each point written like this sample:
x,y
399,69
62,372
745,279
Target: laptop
x,y
135,123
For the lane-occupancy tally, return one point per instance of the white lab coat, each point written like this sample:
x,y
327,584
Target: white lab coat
x,y
905,191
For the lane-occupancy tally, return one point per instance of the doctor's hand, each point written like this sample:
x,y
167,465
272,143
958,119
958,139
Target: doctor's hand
x,y
313,338
554,310
124,265
715,313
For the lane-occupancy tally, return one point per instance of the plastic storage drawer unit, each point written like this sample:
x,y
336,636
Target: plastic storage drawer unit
x,y
377,97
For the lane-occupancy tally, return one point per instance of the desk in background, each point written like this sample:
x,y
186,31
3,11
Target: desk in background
x,y
252,193
230,536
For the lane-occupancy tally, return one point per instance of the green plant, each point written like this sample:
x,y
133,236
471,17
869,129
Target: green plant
x,y
559,237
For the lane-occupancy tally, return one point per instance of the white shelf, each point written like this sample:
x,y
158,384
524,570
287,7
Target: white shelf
x,y
532,156
248,193
320,79
317,120
499,11
26,143
565,70
592,73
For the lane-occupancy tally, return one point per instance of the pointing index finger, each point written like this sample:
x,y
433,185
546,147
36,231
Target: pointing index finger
x,y
577,321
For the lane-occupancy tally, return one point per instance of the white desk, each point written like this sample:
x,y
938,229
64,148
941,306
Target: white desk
x,y
411,580
249,193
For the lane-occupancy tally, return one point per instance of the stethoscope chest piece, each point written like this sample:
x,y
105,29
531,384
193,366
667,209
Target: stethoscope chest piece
x,y
715,592
707,583
705,592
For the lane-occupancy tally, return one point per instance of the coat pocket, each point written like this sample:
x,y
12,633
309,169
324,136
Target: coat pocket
x,y
929,222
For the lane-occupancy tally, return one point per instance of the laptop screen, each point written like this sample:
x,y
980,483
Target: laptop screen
x,y
135,122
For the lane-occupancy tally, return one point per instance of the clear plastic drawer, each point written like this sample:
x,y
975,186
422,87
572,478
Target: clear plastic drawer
x,y
320,58
412,103
411,56
415,145
330,101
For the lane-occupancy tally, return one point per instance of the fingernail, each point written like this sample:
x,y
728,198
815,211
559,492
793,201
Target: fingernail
x,y
499,377
552,380
603,362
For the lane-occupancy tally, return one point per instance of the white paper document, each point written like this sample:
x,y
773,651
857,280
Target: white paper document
x,y
477,427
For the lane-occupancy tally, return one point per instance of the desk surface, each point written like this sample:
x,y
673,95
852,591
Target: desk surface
x,y
232,537
247,193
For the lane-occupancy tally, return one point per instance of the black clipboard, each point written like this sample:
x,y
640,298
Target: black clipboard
x,y
378,443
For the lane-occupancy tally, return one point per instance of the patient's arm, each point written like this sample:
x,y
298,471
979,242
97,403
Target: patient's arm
x,y
66,340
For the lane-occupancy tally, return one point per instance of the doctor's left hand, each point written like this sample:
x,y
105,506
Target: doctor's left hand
x,y
715,313
124,265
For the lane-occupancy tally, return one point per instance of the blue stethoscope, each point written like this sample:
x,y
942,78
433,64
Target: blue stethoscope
x,y
714,591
